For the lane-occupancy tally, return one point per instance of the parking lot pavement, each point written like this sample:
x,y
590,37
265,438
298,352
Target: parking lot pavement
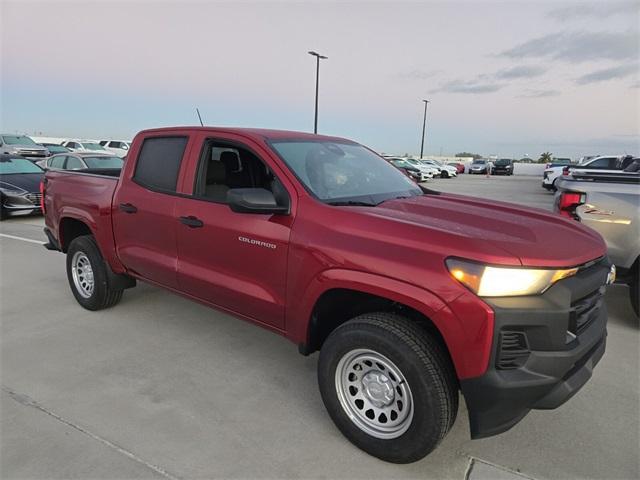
x,y
161,387
525,190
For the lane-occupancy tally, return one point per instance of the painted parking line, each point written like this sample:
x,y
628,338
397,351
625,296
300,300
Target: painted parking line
x,y
23,239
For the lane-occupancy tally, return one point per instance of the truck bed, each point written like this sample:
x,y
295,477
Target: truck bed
x,y
85,196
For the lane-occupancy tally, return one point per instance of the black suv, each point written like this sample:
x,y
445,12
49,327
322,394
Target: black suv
x,y
503,166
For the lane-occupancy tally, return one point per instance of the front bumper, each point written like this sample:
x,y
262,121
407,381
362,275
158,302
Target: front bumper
x,y
544,350
21,204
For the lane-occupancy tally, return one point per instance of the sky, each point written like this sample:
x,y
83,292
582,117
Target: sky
x,y
509,78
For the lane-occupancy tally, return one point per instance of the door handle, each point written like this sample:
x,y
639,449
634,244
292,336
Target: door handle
x,y
192,222
128,208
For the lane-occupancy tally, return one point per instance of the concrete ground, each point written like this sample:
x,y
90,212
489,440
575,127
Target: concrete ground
x,y
161,387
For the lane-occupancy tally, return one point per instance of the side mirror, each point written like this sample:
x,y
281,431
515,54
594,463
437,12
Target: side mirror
x,y
254,200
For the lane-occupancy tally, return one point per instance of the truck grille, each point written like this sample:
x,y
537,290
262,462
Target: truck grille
x,y
584,311
513,350
31,153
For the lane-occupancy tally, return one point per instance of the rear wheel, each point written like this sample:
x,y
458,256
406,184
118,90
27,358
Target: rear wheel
x,y
388,386
87,275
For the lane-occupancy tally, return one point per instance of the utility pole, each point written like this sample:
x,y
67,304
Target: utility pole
x,y
424,125
318,57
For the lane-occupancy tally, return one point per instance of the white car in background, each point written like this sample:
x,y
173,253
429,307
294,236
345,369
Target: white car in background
x,y
606,164
84,146
445,171
428,170
119,147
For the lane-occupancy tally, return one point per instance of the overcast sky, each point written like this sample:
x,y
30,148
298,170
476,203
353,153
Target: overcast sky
x,y
506,78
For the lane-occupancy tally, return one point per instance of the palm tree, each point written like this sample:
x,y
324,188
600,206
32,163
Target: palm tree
x,y
546,157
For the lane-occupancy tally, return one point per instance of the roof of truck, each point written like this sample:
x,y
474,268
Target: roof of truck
x,y
262,133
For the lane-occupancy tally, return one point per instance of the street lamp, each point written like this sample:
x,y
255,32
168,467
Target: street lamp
x,y
318,57
424,124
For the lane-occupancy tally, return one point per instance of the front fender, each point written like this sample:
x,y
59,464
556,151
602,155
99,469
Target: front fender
x,y
460,342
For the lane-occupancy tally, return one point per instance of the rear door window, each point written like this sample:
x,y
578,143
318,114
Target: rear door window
x,y
159,161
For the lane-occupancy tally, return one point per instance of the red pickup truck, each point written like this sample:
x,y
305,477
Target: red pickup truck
x,y
410,295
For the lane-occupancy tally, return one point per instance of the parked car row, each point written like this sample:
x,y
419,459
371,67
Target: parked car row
x,y
26,147
422,170
117,147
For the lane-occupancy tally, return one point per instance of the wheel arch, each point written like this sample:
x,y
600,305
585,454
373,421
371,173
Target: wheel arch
x,y
69,229
338,295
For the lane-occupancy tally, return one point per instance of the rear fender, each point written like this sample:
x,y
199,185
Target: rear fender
x,y
101,230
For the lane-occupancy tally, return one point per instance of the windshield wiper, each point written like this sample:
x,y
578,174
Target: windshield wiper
x,y
399,197
351,203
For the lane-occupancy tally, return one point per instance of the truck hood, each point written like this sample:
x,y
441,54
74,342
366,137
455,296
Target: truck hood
x,y
535,237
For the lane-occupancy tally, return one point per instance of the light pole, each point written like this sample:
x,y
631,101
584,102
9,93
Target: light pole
x,y
424,125
318,57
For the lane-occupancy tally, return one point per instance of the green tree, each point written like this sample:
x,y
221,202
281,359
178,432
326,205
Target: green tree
x,y
467,154
546,157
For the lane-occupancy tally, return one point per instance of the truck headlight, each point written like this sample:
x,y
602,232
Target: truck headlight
x,y
491,281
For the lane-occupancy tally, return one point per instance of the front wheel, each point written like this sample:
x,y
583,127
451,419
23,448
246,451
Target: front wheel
x,y
444,174
388,386
87,275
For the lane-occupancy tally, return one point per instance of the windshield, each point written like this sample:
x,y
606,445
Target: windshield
x,y
503,161
17,140
103,162
344,173
479,162
18,165
93,146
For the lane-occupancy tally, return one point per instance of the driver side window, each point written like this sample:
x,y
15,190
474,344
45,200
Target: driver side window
x,y
224,167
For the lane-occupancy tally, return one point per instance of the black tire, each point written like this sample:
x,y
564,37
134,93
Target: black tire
x,y
444,174
102,296
424,364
